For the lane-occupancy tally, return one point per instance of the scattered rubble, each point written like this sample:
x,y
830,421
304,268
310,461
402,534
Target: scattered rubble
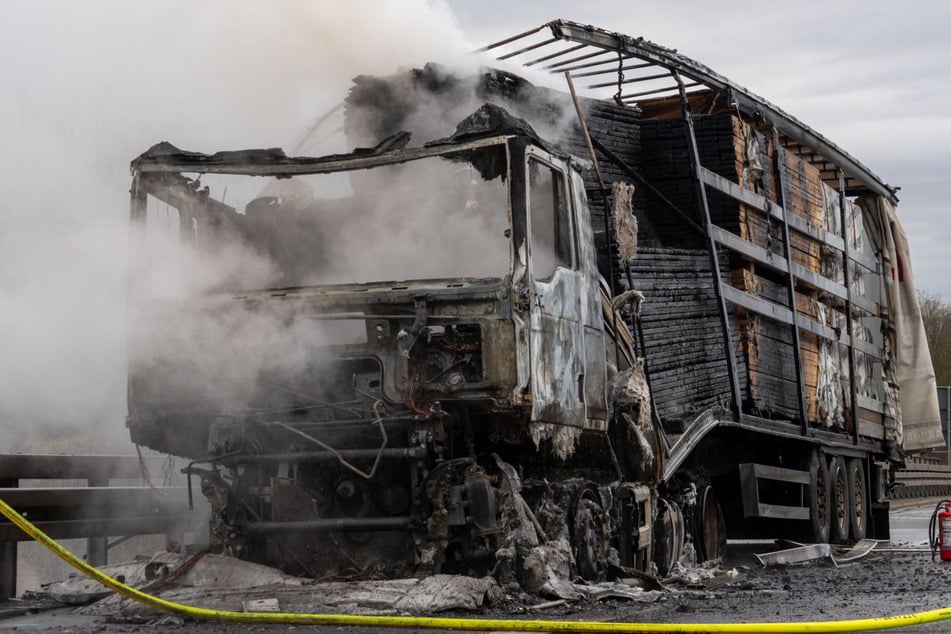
x,y
227,583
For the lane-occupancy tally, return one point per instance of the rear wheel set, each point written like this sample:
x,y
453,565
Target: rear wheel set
x,y
847,495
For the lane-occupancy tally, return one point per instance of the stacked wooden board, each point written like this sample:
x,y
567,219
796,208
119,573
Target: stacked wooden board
x,y
737,151
683,337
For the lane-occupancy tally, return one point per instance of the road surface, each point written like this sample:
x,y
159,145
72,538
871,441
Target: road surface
x,y
896,578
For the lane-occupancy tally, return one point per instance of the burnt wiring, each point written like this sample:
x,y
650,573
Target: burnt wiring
x,y
366,475
144,468
412,388
314,399
168,469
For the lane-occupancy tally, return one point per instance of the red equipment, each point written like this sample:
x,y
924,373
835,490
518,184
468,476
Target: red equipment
x,y
944,532
941,539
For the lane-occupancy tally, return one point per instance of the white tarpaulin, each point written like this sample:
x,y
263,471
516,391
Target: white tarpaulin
x,y
920,422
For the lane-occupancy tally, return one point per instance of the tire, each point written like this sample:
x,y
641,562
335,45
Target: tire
x,y
589,536
841,502
819,496
710,531
668,536
858,495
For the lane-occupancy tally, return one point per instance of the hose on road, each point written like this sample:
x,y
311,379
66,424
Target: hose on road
x,y
449,623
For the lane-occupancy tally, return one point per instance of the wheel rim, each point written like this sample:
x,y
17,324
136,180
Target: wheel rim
x,y
669,536
858,499
841,486
822,496
589,532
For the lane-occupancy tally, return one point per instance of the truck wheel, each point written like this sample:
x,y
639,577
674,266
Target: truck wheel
x,y
841,503
820,516
858,515
668,536
589,536
710,534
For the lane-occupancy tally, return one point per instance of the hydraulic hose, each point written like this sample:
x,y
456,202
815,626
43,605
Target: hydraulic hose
x,y
444,623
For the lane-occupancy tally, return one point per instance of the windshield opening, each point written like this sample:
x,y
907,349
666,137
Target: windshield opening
x,y
431,218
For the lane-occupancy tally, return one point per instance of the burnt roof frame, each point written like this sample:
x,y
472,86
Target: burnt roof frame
x,y
750,104
275,163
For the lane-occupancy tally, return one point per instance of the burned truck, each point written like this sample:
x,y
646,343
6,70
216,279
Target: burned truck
x,y
529,332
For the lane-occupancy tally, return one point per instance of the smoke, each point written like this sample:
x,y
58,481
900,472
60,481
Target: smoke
x,y
88,87
198,349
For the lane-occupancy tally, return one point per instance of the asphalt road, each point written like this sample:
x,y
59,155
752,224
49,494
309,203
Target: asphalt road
x,y
897,578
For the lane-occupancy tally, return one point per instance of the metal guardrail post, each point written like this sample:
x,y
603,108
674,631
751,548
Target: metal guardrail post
x,y
8,556
97,548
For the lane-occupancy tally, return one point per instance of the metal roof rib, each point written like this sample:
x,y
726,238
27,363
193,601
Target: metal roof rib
x,y
589,42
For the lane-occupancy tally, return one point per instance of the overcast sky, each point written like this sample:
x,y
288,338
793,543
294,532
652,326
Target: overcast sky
x,y
86,86
872,76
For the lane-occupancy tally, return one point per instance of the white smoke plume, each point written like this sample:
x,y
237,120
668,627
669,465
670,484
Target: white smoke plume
x,y
198,348
88,86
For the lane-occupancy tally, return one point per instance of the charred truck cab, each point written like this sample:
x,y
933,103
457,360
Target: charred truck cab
x,y
385,427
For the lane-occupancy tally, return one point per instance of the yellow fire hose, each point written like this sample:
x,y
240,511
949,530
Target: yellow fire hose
x,y
425,622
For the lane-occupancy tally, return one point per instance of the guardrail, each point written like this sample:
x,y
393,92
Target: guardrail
x,y
97,511
922,481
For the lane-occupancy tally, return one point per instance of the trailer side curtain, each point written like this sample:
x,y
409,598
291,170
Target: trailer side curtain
x,y
919,422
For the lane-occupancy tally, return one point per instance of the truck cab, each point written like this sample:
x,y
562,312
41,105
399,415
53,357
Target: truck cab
x,y
393,347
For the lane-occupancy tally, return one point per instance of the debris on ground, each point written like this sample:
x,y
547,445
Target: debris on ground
x,y
797,555
692,574
618,590
806,553
78,589
226,583
859,550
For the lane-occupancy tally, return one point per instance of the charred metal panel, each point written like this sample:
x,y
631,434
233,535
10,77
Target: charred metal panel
x,y
557,333
595,361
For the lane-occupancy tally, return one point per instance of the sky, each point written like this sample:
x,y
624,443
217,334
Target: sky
x,y
874,77
87,86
